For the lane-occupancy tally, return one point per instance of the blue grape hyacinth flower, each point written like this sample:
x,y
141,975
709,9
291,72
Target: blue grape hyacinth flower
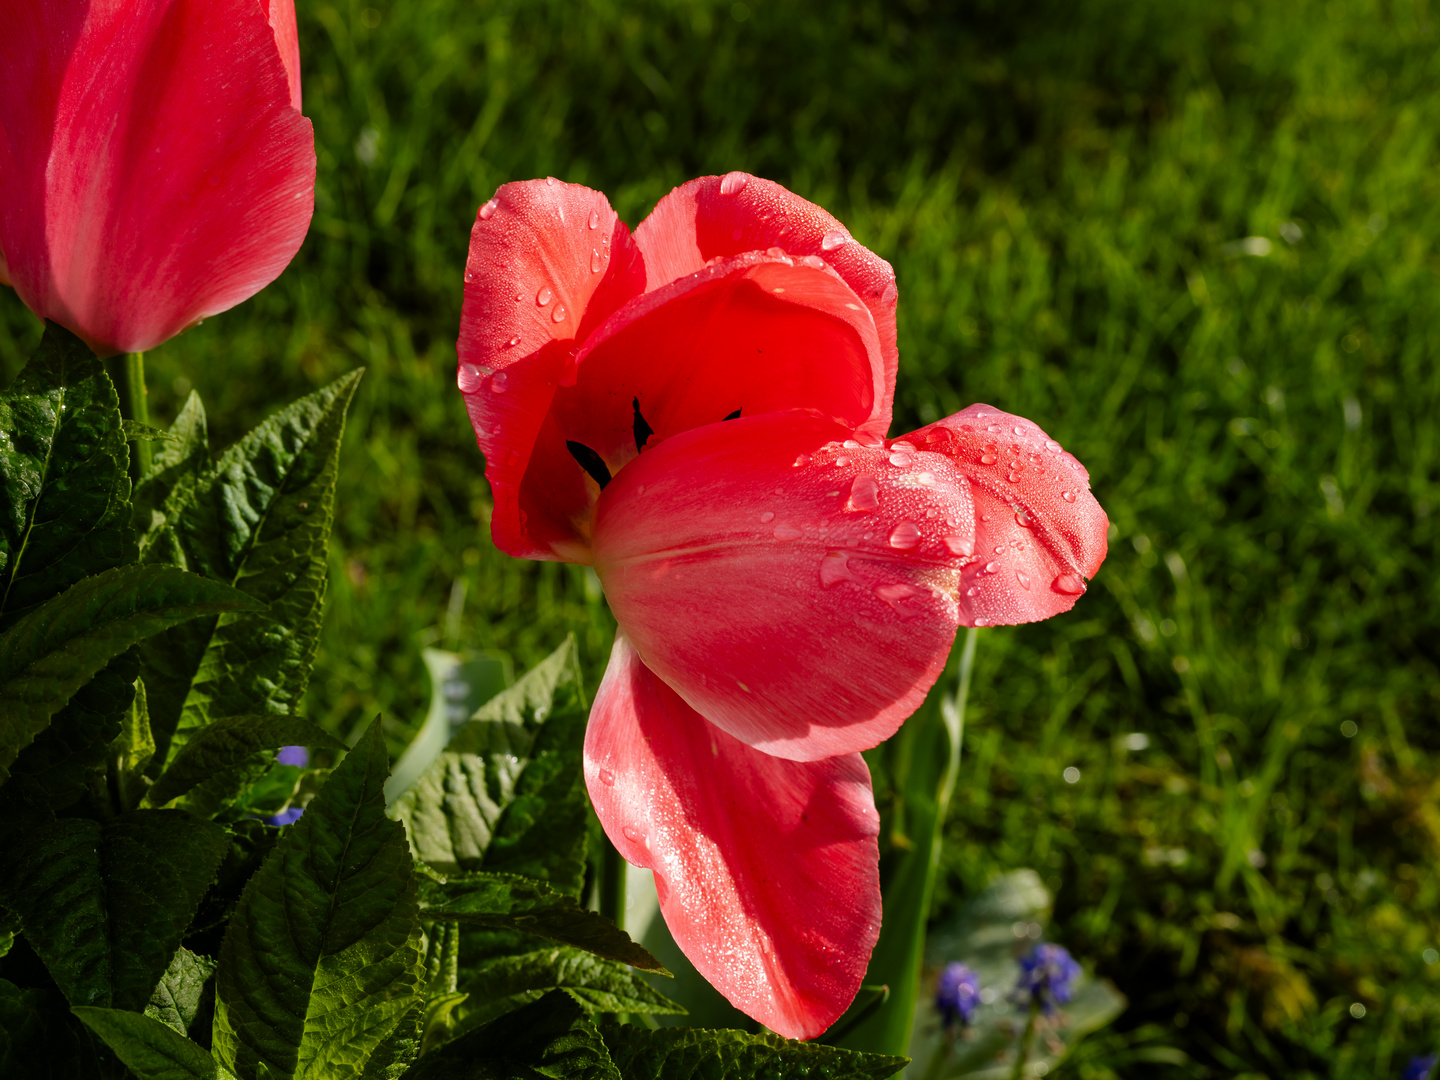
x,y
957,995
293,755
1420,1068
1047,977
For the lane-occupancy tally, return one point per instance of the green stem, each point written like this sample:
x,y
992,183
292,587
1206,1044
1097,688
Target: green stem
x,y
127,371
942,1055
1022,1052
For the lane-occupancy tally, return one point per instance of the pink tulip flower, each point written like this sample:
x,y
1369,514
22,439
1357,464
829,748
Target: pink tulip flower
x,y
154,165
698,411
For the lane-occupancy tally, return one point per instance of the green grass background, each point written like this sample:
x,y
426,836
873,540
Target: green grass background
x,y
1065,189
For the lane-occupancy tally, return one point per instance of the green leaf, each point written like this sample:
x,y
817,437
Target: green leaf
x,y
229,742
58,647
174,464
459,685
41,1040
508,793
131,751
258,520
685,1053
321,959
508,902
550,1038
176,998
105,905
500,984
133,430
151,1050
9,930
64,485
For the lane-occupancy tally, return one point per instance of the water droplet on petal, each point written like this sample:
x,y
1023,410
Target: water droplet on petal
x,y
786,531
960,545
851,444
551,181
987,459
905,536
468,378
902,460
1013,477
895,594
544,296
594,219
558,315
1069,584
864,493
734,183
633,835
607,777
992,567
980,620
833,239
1068,496
1018,430
1053,446
513,341
802,459
972,591
1023,520
488,210
1023,578
597,261
842,461
835,568
767,517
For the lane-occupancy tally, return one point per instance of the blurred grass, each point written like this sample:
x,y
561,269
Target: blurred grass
x,y
1066,191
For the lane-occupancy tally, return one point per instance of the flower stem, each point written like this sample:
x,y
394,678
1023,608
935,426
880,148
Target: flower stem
x,y
127,371
1022,1052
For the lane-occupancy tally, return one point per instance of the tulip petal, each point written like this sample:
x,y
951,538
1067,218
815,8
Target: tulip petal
x,y
795,587
748,335
549,262
767,870
1039,533
287,40
158,172
718,217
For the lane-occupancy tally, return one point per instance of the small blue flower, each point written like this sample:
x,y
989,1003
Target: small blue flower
x,y
1047,977
1420,1068
293,755
285,817
957,994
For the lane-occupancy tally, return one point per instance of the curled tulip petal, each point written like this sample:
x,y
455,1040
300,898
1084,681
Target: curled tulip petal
x,y
767,870
797,587
549,262
158,170
723,216
1039,533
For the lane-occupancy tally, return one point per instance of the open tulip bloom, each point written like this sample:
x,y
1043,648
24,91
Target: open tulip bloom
x,y
154,165
699,411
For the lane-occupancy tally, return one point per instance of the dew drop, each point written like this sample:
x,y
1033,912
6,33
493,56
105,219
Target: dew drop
x,y
895,594
1018,430
905,536
607,777
468,378
980,620
851,444
833,239
734,183
1053,446
864,493
594,219
1068,584
987,459
1013,477
1068,496
551,181
960,545
597,261
902,447
802,459
500,383
558,315
767,517
1023,578
515,340
633,835
785,531
488,210
1023,520
972,591
544,296
519,296
992,567
835,568
902,460
841,461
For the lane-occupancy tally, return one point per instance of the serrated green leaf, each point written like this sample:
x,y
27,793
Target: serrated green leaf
x,y
684,1053
229,742
321,959
500,984
552,1037
40,1039
59,646
259,520
508,794
508,902
393,1057
175,1001
131,751
150,1049
105,905
133,429
173,465
64,485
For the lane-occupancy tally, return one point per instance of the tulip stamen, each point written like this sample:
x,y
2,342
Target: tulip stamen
x,y
590,461
643,430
